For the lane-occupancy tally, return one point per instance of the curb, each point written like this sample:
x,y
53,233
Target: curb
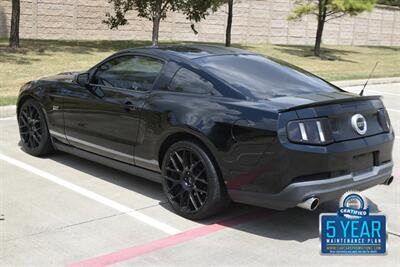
x,y
7,111
350,83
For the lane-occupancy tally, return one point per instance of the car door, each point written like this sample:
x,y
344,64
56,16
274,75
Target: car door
x,y
104,117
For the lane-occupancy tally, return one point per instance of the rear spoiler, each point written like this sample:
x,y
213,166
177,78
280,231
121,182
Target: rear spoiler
x,y
333,101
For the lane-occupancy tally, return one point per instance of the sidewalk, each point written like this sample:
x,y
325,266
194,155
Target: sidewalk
x,y
7,111
350,83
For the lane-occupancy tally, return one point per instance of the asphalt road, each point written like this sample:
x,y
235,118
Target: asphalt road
x,y
63,210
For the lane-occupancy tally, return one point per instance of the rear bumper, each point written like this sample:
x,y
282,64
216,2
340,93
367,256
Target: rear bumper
x,y
324,189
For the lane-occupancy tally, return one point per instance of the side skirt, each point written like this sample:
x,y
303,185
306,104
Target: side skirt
x,y
147,174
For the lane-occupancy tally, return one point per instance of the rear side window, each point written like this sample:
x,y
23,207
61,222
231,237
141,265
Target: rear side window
x,y
189,82
260,77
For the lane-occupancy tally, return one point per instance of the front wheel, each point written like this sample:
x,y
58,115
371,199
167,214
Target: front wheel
x,y
35,137
191,182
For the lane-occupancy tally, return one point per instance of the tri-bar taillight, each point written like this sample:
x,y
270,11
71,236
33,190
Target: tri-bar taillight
x,y
384,120
318,131
311,131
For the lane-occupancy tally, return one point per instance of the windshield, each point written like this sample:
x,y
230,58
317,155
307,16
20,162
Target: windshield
x,y
259,77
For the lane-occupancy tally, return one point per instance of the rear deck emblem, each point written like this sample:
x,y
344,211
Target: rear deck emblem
x,y
359,124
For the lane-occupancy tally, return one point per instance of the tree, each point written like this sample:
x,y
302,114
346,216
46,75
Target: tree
x,y
229,23
156,11
327,10
15,17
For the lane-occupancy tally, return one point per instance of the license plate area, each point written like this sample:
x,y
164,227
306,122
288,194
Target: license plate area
x,y
362,163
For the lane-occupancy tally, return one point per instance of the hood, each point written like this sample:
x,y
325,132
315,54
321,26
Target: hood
x,y
288,103
62,77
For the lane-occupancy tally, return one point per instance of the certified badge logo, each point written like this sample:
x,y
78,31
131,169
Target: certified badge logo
x,y
353,229
353,206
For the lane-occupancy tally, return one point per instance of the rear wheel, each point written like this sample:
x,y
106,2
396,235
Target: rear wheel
x,y
35,137
191,182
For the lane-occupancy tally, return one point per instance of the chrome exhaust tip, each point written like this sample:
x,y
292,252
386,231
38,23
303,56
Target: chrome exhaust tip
x,y
310,204
388,181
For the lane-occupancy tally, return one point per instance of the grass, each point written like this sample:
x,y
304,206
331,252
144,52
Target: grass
x,y
38,58
7,100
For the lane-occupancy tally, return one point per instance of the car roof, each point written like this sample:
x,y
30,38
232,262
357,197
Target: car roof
x,y
188,51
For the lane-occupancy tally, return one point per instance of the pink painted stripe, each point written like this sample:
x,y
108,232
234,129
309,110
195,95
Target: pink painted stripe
x,y
396,173
169,241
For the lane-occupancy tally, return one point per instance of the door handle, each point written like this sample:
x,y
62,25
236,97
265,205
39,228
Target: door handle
x,y
129,106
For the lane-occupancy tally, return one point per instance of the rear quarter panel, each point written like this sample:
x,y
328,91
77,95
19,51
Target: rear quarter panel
x,y
237,133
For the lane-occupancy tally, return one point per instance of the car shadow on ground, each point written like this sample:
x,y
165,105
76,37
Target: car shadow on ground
x,y
292,225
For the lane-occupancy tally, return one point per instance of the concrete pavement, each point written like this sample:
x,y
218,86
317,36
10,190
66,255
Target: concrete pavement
x,y
62,210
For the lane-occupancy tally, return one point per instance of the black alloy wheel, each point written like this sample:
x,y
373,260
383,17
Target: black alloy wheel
x,y
191,182
35,137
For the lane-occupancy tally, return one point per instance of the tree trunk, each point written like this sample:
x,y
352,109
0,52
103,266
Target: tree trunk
x,y
15,16
318,39
229,24
320,28
156,22
156,29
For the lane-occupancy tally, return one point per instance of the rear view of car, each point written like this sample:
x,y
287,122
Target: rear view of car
x,y
329,141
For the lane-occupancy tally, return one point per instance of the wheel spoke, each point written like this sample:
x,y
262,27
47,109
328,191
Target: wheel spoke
x,y
36,138
190,160
23,128
180,159
24,115
181,199
39,134
199,174
173,187
29,112
30,142
188,201
183,159
24,120
34,142
174,196
174,163
200,190
194,165
171,179
199,198
193,201
171,170
202,181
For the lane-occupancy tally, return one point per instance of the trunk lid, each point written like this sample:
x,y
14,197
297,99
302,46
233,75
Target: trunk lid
x,y
339,108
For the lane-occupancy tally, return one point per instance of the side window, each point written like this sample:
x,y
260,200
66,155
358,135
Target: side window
x,y
129,72
189,82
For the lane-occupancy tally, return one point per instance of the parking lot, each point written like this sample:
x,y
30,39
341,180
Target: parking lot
x,y
63,210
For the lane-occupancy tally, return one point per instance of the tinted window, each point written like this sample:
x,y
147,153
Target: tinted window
x,y
189,82
129,72
260,77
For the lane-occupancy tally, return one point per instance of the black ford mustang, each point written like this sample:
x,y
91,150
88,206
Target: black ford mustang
x,y
213,125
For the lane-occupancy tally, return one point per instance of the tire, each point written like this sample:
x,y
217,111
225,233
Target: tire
x,y
35,137
191,182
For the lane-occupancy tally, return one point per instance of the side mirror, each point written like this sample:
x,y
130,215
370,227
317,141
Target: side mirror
x,y
83,79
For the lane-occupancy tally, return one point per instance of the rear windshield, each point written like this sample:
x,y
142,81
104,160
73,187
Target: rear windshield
x,y
260,77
